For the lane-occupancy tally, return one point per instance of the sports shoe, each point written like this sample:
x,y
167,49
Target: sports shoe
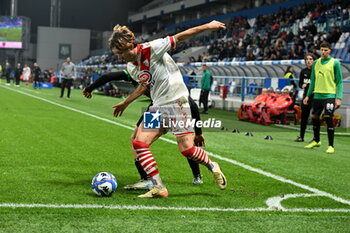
x,y
313,139
155,192
197,180
313,144
299,139
330,150
140,185
219,177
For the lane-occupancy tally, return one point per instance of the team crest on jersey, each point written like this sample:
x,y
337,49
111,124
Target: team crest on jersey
x,y
145,76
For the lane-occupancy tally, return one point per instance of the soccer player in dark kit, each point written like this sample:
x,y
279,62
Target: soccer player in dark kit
x,y
304,83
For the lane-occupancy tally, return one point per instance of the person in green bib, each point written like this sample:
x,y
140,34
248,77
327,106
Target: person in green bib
x,y
327,87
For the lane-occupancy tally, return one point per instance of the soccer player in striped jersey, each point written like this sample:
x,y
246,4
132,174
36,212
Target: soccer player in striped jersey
x,y
151,66
145,183
327,87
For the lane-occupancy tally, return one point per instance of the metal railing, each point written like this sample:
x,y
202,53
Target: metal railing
x,y
246,86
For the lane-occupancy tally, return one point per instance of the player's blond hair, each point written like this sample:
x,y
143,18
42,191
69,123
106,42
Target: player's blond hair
x,y
122,38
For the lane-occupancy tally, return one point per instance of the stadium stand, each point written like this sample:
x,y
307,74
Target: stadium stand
x,y
256,48
280,33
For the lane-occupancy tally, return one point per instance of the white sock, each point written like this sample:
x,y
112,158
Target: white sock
x,y
157,181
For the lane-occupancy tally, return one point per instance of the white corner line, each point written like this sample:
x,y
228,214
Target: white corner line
x,y
274,203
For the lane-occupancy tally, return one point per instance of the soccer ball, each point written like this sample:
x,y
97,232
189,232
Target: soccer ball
x,y
104,184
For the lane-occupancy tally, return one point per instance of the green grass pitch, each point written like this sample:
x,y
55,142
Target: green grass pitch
x,y
50,148
11,34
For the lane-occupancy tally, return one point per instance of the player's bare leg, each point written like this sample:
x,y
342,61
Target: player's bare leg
x,y
143,140
186,147
144,183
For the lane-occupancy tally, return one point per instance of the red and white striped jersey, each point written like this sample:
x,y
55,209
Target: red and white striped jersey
x,y
156,69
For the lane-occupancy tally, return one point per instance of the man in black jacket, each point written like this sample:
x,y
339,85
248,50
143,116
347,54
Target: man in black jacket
x,y
8,71
18,73
36,71
304,82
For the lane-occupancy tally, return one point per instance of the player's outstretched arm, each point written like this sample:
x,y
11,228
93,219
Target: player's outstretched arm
x,y
119,108
113,76
189,33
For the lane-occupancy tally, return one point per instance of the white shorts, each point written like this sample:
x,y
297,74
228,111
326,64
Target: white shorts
x,y
176,116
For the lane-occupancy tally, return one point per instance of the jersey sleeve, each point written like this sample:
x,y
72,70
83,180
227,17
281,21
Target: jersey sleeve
x,y
130,73
161,46
113,76
301,79
338,79
312,82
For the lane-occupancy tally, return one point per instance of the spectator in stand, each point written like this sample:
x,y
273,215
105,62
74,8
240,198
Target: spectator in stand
x,y
290,36
250,56
312,28
26,74
289,75
18,73
334,35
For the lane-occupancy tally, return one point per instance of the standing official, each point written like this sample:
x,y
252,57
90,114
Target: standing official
x,y
68,72
36,75
205,88
8,71
18,73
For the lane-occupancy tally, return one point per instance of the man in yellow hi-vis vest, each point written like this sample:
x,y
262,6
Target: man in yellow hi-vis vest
x,y
327,86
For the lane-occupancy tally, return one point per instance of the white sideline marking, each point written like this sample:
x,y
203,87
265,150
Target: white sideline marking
x,y
248,167
282,179
308,130
141,207
72,109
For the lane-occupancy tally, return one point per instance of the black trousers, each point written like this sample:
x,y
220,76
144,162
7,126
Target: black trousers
x,y
204,99
66,83
17,80
8,78
305,113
